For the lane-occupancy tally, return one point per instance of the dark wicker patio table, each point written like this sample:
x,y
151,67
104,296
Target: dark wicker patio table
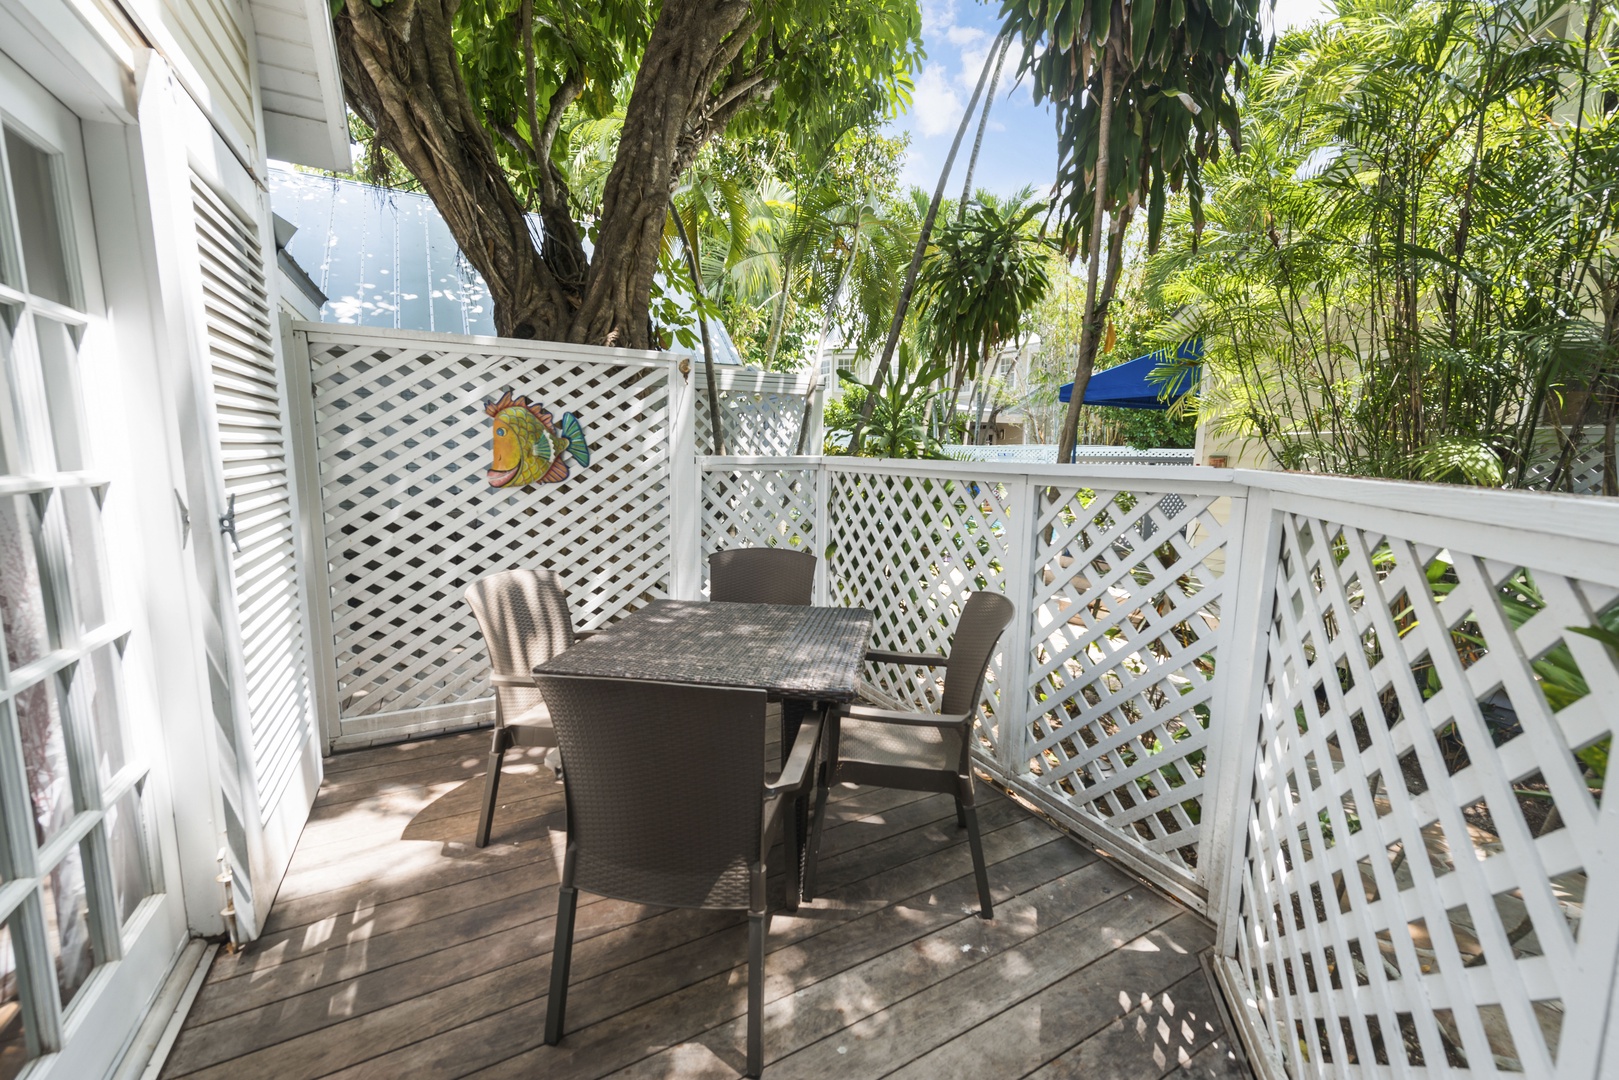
x,y
809,654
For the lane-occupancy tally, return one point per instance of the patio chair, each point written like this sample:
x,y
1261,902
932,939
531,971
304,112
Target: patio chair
x,y
524,618
761,575
766,575
695,835
916,751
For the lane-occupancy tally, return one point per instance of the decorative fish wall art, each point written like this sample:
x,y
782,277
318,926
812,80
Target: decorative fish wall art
x,y
530,447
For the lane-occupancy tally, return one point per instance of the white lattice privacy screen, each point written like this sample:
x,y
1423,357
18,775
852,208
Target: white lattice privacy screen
x,y
408,518
1428,881
769,506
762,411
1363,726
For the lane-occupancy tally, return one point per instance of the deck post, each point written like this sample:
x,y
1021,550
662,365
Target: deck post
x,y
822,530
686,492
1234,712
1017,690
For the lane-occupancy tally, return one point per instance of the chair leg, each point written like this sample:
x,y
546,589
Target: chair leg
x,y
790,848
986,907
825,774
491,788
561,959
961,814
758,923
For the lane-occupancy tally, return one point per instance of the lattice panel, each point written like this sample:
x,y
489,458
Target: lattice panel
x,y
911,549
411,520
1585,472
758,507
757,424
1425,833
1126,603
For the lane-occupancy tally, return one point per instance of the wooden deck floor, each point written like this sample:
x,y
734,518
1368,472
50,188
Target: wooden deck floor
x,y
397,949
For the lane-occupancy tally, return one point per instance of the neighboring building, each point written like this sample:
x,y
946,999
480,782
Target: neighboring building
x,y
386,258
155,716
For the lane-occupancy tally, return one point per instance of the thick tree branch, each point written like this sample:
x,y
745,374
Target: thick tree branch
x,y
402,73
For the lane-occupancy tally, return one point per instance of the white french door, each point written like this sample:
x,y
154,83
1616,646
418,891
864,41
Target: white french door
x,y
87,929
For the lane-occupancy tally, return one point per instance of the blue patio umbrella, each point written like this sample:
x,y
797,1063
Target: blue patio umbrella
x,y
1128,386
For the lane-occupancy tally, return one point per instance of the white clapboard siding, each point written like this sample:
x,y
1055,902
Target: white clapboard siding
x,y
253,453
210,34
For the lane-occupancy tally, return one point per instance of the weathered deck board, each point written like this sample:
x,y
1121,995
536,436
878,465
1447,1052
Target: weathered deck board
x,y
396,948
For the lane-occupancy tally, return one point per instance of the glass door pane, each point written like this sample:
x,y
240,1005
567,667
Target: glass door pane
x,y
80,887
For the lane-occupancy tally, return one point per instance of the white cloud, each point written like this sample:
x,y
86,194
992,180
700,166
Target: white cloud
x,y
934,103
965,35
938,16
972,65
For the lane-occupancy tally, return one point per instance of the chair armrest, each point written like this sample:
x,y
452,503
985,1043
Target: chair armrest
x,y
796,772
580,635
884,656
525,681
911,719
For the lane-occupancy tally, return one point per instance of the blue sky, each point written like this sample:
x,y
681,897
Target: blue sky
x,y
1020,146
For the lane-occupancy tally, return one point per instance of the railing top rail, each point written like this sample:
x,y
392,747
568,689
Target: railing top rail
x,y
1181,478
1589,518
733,461
546,350
731,377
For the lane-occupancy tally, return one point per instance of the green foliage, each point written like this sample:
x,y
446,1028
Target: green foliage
x,y
1411,270
986,269
834,65
899,426
1135,327
1172,95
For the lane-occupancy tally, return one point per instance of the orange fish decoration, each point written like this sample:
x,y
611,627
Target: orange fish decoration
x,y
529,446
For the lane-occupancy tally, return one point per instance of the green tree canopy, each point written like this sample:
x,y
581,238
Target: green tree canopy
x,y
482,100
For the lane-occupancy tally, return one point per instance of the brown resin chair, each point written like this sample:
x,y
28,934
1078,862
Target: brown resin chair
x,y
690,835
761,575
916,751
524,618
766,575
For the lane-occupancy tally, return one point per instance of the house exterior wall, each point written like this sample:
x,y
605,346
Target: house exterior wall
x,y
172,116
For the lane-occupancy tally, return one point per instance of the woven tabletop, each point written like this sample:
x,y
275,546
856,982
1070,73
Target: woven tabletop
x,y
810,653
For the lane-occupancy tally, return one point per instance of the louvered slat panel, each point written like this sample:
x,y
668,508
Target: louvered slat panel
x,y
253,453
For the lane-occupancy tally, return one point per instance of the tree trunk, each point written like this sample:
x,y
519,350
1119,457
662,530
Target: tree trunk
x,y
898,322
685,55
403,77
715,420
1087,337
402,74
983,122
826,330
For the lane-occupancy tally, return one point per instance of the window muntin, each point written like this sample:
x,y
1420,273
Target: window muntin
x,y
76,856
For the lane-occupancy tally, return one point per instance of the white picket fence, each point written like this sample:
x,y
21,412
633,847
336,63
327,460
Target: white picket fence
x,y
1347,720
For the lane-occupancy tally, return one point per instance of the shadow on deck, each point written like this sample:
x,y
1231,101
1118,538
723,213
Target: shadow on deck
x,y
395,948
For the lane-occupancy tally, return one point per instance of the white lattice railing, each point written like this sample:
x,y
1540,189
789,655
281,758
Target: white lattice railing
x,y
762,410
1421,873
1098,704
407,518
1351,721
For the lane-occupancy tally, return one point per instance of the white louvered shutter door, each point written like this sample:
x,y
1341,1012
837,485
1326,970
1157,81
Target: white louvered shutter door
x,y
256,470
